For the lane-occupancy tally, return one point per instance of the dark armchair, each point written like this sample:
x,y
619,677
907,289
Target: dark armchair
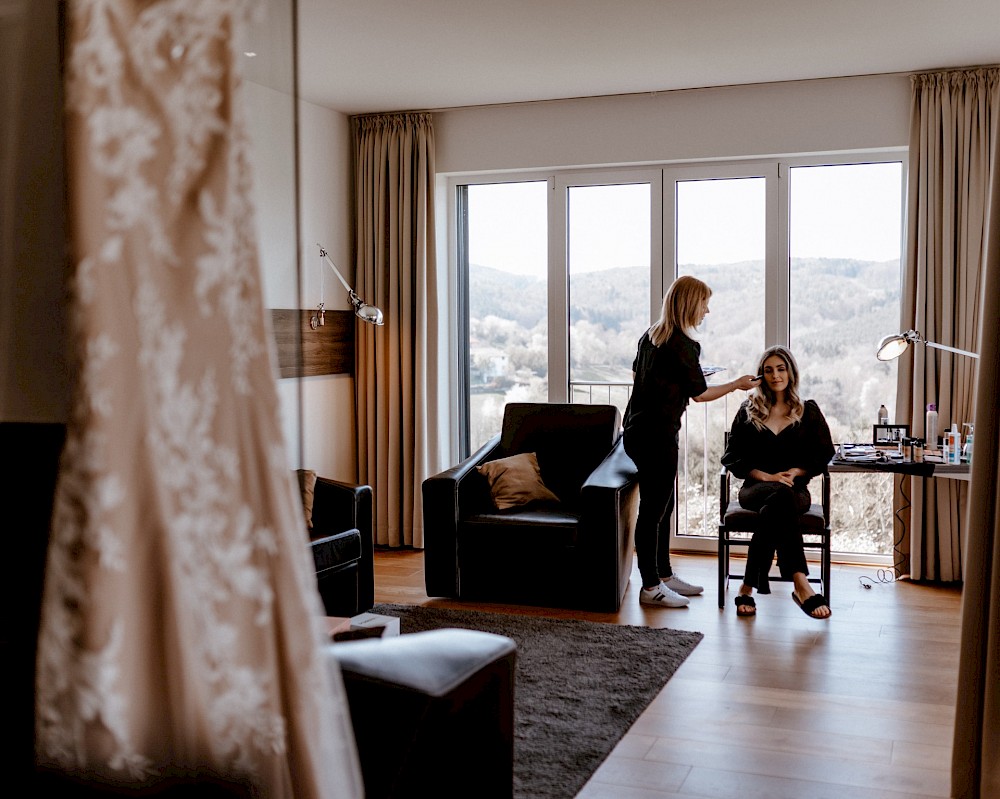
x,y
342,546
576,553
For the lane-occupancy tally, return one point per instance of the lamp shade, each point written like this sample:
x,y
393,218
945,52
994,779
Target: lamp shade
x,y
892,346
368,313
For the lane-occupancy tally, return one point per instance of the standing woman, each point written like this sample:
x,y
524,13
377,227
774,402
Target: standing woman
x,y
666,375
776,445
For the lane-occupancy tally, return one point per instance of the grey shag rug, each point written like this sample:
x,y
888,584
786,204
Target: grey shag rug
x,y
579,685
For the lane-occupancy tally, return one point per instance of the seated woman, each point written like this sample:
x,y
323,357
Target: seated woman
x,y
777,444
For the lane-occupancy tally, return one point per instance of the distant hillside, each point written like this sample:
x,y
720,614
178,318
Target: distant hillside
x,y
494,292
837,317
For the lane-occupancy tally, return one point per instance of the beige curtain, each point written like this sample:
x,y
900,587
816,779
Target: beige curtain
x,y
398,365
976,753
180,628
954,123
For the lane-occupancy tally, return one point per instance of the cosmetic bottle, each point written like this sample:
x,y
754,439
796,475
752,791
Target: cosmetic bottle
x,y
883,415
967,448
954,445
930,427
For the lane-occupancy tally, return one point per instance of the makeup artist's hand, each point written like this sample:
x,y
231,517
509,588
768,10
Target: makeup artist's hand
x,y
746,382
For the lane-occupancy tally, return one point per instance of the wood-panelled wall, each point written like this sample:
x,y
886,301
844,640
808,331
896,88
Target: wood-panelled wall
x,y
304,352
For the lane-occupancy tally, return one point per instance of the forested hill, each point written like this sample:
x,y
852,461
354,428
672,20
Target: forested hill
x,y
824,291
840,308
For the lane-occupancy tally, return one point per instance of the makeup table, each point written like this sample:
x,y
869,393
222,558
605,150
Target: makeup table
x,y
952,471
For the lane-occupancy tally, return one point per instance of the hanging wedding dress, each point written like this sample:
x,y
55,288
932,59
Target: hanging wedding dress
x,y
181,625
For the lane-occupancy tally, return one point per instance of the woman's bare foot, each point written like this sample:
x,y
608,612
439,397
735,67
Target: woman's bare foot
x,y
803,592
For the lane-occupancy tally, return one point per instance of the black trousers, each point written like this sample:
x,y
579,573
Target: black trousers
x,y
780,507
657,465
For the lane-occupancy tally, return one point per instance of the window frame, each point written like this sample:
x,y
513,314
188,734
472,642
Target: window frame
x,y
456,207
559,332
663,178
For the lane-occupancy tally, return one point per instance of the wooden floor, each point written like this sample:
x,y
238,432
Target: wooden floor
x,y
778,706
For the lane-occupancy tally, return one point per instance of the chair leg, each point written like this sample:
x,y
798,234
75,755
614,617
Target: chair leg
x,y
826,573
723,569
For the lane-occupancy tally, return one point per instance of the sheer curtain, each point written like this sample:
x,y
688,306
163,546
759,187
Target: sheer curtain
x,y
954,123
398,366
975,772
181,629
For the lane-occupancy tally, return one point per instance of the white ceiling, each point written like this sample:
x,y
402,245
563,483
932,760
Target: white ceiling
x,y
362,56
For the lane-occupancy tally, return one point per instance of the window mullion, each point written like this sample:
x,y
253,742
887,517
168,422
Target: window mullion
x,y
558,283
776,289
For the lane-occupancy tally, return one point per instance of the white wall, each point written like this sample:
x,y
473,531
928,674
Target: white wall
x,y
328,414
701,124
317,412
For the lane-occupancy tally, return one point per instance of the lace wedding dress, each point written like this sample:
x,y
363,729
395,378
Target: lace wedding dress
x,y
181,626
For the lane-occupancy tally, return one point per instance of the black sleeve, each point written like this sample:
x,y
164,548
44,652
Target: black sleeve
x,y
692,378
638,353
739,445
819,443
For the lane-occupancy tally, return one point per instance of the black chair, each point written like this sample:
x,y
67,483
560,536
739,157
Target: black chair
x,y
737,525
573,554
342,546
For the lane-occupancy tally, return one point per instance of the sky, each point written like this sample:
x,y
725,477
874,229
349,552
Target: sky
x,y
851,211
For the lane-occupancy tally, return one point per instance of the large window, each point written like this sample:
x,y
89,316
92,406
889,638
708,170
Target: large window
x,y
565,273
608,260
720,238
505,268
845,223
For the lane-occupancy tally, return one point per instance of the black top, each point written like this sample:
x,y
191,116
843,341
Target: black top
x,y
807,444
666,377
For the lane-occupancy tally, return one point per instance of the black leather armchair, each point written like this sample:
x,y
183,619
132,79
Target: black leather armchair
x,y
343,547
576,554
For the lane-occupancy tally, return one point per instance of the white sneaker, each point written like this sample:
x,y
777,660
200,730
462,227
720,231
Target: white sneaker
x,y
662,596
678,586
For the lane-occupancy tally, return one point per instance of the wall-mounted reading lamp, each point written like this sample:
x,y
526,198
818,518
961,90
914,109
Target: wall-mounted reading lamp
x,y
894,345
364,311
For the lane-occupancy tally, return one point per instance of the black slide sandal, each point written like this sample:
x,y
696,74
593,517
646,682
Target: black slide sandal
x,y
815,601
744,601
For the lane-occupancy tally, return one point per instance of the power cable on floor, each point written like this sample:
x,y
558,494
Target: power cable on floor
x,y
881,576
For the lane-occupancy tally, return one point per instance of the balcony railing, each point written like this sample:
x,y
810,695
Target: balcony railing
x,y
862,504
609,393
701,435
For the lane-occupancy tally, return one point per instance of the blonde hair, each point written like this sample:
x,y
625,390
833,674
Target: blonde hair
x,y
681,308
762,399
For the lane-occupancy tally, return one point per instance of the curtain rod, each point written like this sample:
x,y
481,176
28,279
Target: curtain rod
x,y
649,93
657,92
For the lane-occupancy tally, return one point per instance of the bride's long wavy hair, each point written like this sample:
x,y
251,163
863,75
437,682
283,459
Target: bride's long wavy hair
x,y
762,399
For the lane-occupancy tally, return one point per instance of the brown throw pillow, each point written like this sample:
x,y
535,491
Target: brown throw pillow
x,y
516,480
307,485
